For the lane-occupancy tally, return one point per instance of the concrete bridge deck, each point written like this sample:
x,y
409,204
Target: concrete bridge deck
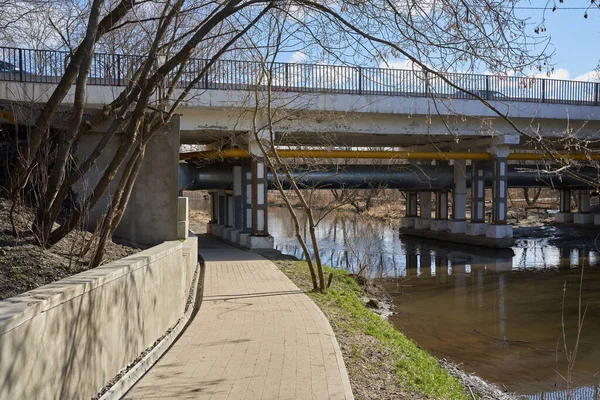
x,y
256,336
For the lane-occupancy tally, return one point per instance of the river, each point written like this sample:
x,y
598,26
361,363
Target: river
x,y
497,313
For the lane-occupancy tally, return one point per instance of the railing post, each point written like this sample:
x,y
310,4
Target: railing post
x,y
287,75
426,83
597,95
543,90
119,70
487,87
206,76
20,65
359,80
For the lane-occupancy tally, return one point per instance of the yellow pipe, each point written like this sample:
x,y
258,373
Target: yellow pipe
x,y
378,154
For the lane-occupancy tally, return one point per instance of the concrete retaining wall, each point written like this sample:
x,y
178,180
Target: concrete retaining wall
x,y
66,340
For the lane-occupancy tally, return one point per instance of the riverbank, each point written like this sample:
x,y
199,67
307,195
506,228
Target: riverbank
x,y
382,363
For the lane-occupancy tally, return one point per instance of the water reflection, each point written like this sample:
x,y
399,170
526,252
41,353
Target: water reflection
x,y
496,312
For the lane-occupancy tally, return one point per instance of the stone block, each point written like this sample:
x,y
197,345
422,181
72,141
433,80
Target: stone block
x,y
439,225
243,239
233,235
499,231
583,218
476,228
563,217
422,223
260,242
457,226
408,222
226,232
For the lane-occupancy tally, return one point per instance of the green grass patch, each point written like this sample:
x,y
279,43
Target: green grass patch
x,y
417,372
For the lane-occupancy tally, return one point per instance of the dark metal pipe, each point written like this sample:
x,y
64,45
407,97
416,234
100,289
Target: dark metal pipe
x,y
405,177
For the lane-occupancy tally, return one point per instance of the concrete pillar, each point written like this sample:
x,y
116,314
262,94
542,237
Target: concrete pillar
x,y
229,211
411,210
499,191
477,225
459,198
583,215
499,229
246,206
238,209
221,213
424,220
183,223
564,212
259,198
255,188
150,217
440,223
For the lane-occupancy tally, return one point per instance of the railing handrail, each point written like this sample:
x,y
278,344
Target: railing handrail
x,y
356,79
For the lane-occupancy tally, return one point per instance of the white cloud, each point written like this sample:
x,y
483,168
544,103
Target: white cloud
x,y
564,74
560,73
400,64
298,57
592,76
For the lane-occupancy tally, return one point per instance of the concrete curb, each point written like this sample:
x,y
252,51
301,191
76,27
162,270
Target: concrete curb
x,y
136,372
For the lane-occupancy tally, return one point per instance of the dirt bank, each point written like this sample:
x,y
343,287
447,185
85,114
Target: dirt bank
x,y
25,266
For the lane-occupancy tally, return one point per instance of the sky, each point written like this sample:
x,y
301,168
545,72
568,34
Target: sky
x,y
574,39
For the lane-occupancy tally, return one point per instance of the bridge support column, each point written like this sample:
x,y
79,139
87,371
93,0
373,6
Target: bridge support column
x,y
214,213
564,214
440,223
477,225
236,206
583,216
499,229
229,211
459,198
424,220
255,202
221,213
411,210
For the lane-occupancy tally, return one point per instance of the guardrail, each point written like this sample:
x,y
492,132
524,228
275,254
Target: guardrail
x,y
47,66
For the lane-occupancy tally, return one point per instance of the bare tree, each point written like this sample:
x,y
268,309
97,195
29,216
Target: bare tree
x,y
434,36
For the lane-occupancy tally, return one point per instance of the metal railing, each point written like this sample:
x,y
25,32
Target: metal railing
x,y
47,66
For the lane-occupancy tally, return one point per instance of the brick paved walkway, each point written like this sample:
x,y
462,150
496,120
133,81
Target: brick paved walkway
x,y
256,336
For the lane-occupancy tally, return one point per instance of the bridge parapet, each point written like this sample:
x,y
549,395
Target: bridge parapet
x,y
47,66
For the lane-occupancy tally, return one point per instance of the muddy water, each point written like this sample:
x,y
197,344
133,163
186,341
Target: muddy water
x,y
498,313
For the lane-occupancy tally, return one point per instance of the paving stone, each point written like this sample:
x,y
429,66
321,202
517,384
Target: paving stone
x,y
256,336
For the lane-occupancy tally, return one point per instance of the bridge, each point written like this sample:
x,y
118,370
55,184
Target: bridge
x,y
350,109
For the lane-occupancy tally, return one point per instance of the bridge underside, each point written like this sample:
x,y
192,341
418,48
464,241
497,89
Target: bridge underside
x,y
223,119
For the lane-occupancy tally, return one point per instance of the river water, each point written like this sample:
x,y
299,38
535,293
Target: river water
x,y
498,313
